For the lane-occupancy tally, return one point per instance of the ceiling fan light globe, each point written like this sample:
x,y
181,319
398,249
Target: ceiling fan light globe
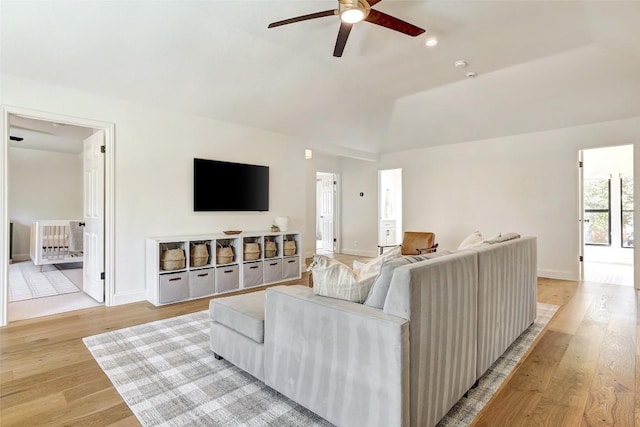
x,y
351,16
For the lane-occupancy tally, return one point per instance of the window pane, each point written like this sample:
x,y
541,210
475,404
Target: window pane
x,y
596,228
627,229
627,193
596,194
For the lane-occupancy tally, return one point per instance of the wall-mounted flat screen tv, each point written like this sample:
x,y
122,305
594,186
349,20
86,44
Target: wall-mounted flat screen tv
x,y
226,186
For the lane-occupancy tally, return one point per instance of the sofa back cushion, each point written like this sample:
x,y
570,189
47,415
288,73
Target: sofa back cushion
x,y
380,288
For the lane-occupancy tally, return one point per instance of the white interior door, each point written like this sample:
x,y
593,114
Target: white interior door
x,y
93,270
326,200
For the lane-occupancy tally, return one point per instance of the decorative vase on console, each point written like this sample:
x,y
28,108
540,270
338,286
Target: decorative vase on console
x,y
282,222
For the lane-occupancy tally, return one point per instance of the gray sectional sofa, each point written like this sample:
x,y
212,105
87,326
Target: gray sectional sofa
x,y
443,323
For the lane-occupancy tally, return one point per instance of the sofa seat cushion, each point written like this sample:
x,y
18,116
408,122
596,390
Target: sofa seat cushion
x,y
243,313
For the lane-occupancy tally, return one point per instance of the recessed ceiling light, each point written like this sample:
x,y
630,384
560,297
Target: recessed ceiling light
x,y
431,42
471,74
460,63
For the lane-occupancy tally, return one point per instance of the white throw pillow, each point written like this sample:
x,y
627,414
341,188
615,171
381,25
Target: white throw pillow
x,y
357,265
472,240
331,278
372,268
503,238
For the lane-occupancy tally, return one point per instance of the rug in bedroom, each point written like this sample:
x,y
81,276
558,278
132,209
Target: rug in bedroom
x,y
27,282
167,375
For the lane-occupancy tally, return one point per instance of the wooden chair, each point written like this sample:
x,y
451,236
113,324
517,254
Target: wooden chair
x,y
416,243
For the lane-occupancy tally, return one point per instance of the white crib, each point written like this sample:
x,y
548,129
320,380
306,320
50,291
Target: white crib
x,y
50,243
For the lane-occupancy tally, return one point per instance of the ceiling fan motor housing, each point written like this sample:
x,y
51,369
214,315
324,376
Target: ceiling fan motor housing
x,y
354,4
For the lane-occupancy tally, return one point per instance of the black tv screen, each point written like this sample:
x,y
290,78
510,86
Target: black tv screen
x,y
225,186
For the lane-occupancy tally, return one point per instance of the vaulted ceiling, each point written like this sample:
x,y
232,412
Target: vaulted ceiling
x,y
540,65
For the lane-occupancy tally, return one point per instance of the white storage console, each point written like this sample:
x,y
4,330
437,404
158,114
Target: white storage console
x,y
189,267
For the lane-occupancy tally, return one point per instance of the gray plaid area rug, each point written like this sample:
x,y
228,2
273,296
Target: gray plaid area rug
x,y
167,375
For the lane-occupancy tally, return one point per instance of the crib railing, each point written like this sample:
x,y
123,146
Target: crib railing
x,y
50,243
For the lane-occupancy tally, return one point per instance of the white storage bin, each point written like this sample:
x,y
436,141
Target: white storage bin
x,y
272,271
201,282
252,274
174,287
227,278
291,268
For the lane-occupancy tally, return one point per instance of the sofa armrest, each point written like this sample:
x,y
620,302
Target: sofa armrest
x,y
344,361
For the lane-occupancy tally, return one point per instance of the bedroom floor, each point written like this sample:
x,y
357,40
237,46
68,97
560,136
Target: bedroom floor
x,y
38,307
613,274
44,306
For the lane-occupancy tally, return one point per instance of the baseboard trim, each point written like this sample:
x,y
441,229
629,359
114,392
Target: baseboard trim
x,y
20,257
129,297
557,274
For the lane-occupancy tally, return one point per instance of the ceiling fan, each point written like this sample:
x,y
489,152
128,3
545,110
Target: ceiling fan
x,y
352,12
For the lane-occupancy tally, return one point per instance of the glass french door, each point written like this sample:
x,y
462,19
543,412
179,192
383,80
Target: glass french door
x,y
597,211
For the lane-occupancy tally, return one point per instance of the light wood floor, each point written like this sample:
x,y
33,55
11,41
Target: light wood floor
x,y
583,371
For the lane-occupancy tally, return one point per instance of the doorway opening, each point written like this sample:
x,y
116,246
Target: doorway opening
x,y
326,190
606,194
389,207
57,211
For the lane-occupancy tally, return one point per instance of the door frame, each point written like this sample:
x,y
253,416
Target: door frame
x,y
109,191
581,215
581,241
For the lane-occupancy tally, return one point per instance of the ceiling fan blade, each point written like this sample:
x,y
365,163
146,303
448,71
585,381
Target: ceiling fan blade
x,y
304,18
341,41
384,20
372,2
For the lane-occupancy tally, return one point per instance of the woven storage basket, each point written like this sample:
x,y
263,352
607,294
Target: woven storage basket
x,y
224,255
172,259
199,255
289,247
270,249
251,251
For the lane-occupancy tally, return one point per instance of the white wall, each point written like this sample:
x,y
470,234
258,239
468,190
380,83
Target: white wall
x,y
42,185
525,183
154,151
360,213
